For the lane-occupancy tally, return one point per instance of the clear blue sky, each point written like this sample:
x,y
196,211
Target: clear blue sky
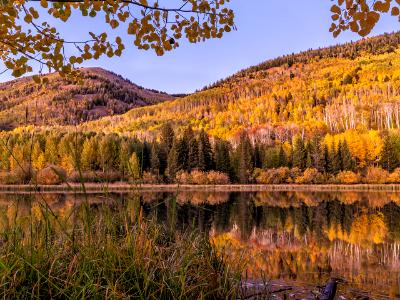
x,y
266,29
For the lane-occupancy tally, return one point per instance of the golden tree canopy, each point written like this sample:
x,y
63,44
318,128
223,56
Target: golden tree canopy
x,y
360,16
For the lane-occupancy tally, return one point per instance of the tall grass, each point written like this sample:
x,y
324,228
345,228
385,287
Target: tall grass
x,y
112,253
108,252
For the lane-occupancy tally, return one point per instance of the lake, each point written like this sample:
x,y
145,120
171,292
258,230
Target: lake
x,y
300,237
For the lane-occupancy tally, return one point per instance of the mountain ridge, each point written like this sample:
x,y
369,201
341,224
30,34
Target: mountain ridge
x,y
64,102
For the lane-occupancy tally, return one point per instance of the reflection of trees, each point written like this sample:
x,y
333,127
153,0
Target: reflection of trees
x,y
303,235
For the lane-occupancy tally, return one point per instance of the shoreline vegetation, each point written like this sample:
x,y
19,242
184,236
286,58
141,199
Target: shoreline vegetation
x,y
127,187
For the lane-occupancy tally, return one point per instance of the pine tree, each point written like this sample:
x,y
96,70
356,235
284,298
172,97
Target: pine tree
x,y
222,157
258,156
183,153
347,159
327,161
282,160
335,158
193,154
173,163
299,154
317,155
390,156
206,162
167,136
134,167
154,160
245,160
309,161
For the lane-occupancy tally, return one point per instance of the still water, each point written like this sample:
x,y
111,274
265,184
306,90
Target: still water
x,y
301,237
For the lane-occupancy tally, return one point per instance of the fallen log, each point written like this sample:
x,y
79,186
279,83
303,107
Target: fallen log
x,y
329,291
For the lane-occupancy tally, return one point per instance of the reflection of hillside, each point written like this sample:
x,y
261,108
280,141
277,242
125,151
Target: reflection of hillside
x,y
285,256
296,199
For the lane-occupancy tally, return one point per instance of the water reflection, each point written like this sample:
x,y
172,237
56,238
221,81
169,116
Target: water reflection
x,y
306,237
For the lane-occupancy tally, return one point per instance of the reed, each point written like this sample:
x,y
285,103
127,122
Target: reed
x,y
107,252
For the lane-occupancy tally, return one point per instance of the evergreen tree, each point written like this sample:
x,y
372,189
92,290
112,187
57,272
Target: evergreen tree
x,y
282,160
173,161
206,162
154,160
134,167
317,155
390,156
193,154
167,136
124,156
347,158
335,158
245,160
309,161
327,160
299,154
222,157
258,156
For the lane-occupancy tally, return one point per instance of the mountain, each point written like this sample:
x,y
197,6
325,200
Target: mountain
x,y
63,102
350,86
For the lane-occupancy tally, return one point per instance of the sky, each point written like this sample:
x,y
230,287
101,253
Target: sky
x,y
265,29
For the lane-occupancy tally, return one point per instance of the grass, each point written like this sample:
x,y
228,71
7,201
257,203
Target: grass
x,y
120,186
108,252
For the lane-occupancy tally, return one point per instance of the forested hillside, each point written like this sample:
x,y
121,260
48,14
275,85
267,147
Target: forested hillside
x,y
322,116
63,102
351,86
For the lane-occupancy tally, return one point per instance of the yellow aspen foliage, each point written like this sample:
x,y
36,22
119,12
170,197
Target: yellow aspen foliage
x,y
28,36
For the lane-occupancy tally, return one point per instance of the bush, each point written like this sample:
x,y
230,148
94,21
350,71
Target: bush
x,y
293,174
217,178
347,177
199,177
376,175
183,178
95,176
310,176
149,178
395,176
21,174
51,175
272,176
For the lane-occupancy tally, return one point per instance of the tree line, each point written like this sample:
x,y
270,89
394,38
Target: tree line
x,y
192,157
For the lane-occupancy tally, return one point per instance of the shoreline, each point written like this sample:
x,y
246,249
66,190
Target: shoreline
x,y
126,187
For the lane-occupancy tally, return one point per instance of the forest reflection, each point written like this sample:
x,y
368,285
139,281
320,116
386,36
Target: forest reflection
x,y
301,236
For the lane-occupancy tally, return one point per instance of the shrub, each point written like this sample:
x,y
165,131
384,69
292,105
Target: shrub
x,y
310,176
376,175
199,177
183,178
272,176
95,176
293,174
217,178
395,176
21,174
347,177
51,175
149,178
